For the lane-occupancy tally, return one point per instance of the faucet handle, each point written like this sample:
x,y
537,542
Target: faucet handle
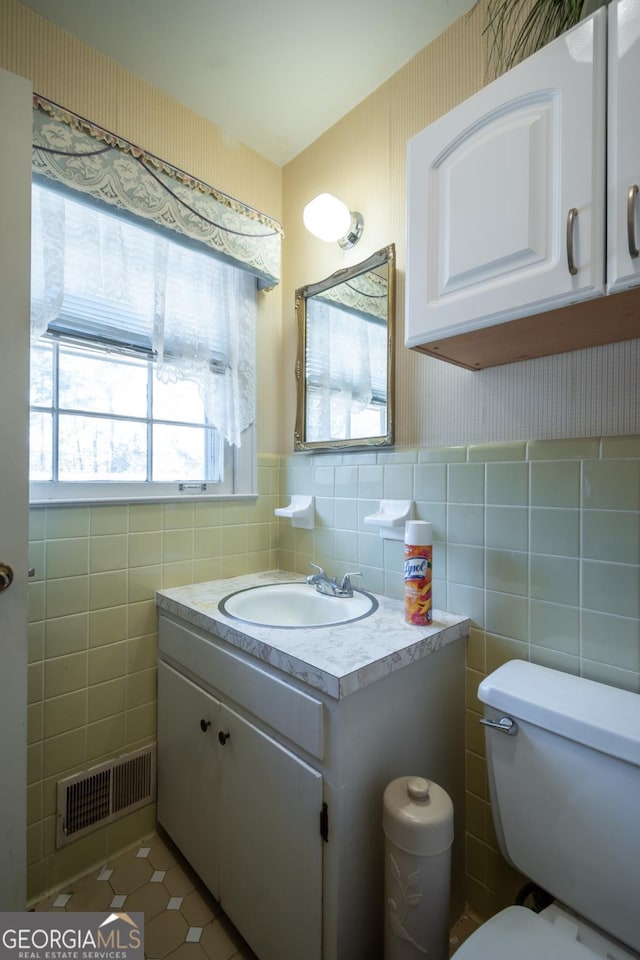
x,y
345,583
314,577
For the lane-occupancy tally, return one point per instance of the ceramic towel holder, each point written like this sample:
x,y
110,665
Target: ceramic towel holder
x,y
300,511
391,518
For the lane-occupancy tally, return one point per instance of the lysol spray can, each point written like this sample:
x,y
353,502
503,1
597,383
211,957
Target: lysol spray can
x,y
417,572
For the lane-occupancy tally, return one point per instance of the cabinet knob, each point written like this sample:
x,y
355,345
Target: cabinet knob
x,y
204,724
223,737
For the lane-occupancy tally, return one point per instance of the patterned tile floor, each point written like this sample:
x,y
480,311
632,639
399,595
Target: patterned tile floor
x,y
182,919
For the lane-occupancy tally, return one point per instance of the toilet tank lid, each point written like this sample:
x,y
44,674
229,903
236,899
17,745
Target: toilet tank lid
x,y
595,714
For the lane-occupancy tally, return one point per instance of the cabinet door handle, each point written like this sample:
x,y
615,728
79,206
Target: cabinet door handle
x,y
223,737
204,725
631,221
571,219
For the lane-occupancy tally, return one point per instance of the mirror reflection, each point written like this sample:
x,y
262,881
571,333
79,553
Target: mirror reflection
x,y
345,369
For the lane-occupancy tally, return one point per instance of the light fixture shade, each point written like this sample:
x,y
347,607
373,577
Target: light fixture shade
x,y
327,218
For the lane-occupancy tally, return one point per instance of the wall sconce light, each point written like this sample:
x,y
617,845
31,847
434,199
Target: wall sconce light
x,y
330,219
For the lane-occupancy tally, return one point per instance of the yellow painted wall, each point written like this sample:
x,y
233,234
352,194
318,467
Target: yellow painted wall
x,y
79,78
361,159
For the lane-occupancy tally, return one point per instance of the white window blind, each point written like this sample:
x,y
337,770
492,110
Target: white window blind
x,y
346,364
100,277
346,352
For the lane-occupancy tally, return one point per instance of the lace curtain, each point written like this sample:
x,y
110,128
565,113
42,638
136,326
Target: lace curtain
x,y
101,276
346,365
86,158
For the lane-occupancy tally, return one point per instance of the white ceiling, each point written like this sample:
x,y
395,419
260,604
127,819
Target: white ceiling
x,y
274,74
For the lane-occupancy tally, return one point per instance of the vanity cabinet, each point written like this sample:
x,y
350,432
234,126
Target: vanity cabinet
x,y
188,802
507,206
272,788
243,809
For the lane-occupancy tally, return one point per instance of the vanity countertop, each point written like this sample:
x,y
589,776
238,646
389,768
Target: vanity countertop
x,y
337,659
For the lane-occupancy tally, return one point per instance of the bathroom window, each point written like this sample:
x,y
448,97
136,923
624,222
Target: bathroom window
x,y
142,361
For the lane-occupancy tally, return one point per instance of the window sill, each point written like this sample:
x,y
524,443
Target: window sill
x,y
157,498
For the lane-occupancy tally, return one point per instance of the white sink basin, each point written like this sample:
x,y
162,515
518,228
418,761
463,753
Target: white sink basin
x,y
295,605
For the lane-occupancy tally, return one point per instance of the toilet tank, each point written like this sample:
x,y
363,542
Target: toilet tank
x,y
565,789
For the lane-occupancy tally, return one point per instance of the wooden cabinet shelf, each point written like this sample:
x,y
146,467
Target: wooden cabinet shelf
x,y
581,325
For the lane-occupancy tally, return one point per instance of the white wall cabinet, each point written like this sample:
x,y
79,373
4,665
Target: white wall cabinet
x,y
623,171
283,818
507,206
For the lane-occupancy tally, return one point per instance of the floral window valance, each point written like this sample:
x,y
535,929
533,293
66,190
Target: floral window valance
x,y
367,294
80,155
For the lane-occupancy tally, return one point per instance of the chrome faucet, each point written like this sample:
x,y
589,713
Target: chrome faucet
x,y
330,586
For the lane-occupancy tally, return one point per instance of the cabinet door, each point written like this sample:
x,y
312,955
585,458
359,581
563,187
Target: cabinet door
x,y
623,169
491,186
188,779
271,848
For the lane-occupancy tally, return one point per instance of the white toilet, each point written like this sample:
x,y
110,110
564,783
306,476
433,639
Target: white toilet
x,y
563,757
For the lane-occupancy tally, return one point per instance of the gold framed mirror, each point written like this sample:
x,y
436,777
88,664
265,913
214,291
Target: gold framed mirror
x,y
345,371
